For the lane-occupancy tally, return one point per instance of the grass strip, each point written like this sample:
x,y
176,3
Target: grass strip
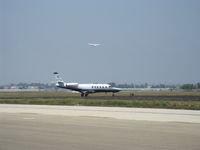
x,y
67,94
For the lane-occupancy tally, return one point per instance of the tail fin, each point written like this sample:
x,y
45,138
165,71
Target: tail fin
x,y
57,77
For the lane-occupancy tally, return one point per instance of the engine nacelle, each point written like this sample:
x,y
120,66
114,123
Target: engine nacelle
x,y
74,85
60,84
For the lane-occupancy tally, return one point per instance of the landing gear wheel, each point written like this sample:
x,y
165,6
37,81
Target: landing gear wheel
x,y
113,94
82,94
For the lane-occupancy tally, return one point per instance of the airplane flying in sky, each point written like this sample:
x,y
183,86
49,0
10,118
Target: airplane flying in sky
x,y
93,44
84,89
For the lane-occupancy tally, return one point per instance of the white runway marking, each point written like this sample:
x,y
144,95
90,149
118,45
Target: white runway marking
x,y
28,118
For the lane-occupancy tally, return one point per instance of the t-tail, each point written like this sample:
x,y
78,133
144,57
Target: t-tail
x,y
58,80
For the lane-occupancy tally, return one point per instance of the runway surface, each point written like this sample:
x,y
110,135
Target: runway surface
x,y
35,131
147,114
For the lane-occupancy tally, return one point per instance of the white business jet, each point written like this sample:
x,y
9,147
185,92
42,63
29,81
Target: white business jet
x,y
84,89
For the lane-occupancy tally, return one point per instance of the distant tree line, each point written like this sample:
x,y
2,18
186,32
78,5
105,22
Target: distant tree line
x,y
190,86
27,85
145,85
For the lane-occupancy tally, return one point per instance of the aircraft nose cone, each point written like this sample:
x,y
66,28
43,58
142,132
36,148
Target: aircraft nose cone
x,y
117,89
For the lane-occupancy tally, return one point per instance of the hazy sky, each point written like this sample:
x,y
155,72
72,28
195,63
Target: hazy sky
x,y
153,41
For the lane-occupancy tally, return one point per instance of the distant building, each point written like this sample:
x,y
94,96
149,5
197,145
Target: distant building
x,y
32,87
14,87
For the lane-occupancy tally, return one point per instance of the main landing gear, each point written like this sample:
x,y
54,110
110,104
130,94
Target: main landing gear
x,y
84,94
